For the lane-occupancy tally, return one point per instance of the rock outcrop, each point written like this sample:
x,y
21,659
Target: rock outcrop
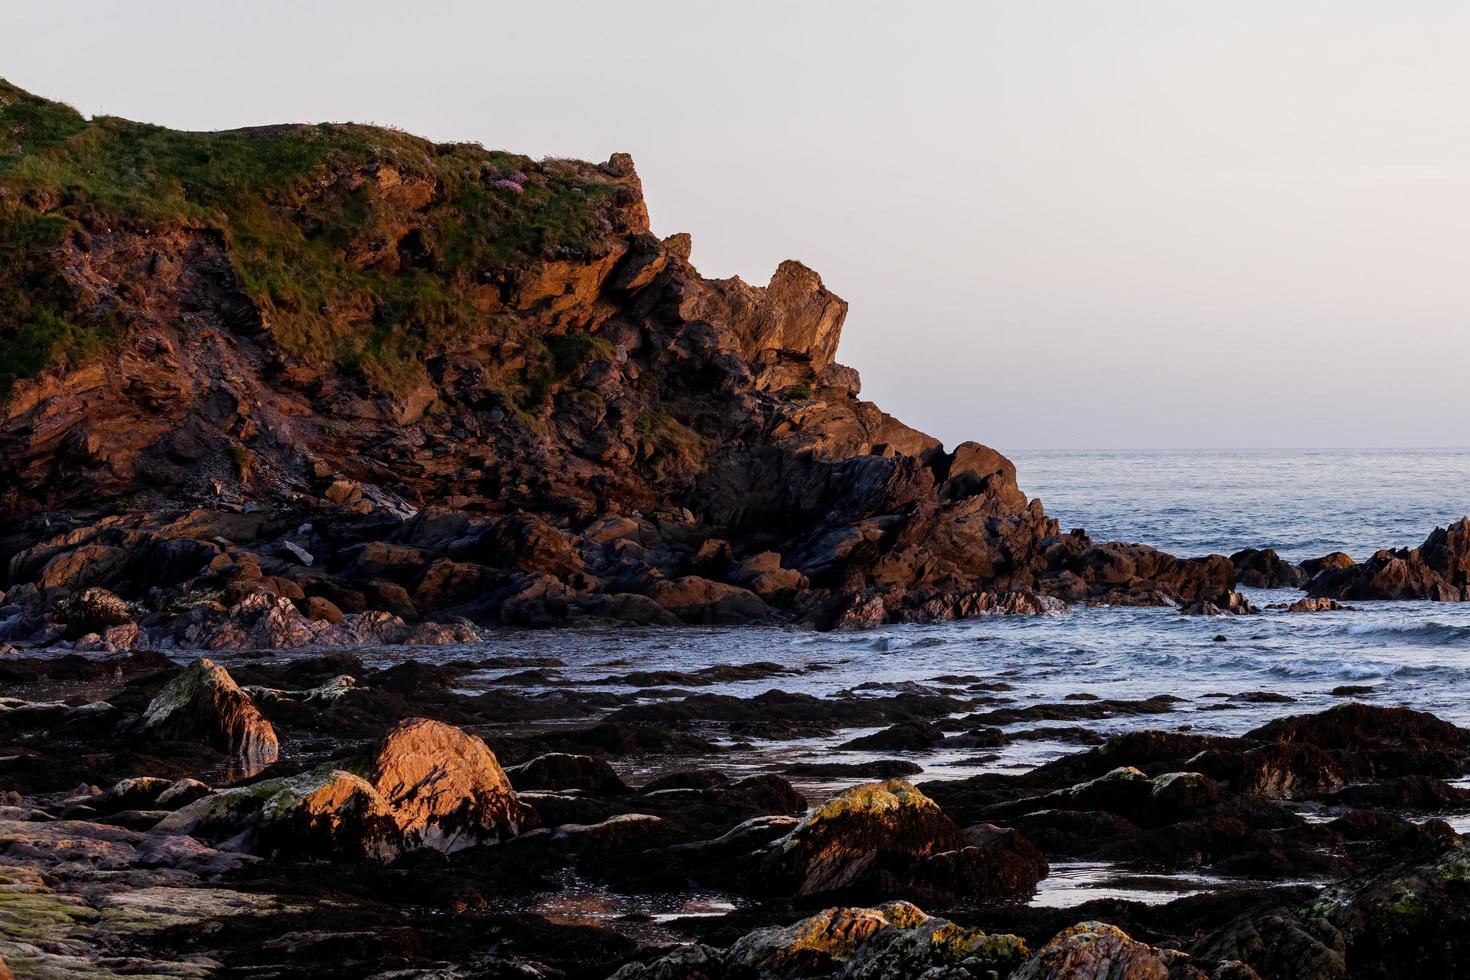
x,y
323,385
1265,569
1438,569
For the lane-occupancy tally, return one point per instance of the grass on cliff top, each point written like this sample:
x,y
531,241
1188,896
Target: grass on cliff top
x,y
292,224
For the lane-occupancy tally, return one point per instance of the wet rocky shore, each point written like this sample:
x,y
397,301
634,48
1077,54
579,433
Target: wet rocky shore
x,y
337,407
310,815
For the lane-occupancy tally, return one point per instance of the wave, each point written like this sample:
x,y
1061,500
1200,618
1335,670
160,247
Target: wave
x,y
1438,634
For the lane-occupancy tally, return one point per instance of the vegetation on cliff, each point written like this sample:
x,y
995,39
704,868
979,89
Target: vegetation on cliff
x,y
325,256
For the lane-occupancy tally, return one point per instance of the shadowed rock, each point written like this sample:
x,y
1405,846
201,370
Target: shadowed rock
x,y
1438,569
892,833
203,702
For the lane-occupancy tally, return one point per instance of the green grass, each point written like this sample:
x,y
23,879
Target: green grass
x,y
296,221
553,359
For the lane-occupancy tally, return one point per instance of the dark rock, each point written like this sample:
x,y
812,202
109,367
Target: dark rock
x,y
891,832
562,771
1264,569
904,735
203,702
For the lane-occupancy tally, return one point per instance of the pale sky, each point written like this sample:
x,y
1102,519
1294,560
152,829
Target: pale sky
x,y
1100,224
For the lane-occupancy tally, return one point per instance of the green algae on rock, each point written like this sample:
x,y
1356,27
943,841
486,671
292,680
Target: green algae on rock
x,y
204,702
428,784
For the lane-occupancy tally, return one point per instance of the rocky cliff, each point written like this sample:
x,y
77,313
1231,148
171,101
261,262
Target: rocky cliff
x,y
317,383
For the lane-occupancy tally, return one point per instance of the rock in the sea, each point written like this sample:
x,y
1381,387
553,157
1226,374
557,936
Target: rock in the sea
x,y
1321,604
204,702
1263,568
1333,561
1232,604
904,735
1438,569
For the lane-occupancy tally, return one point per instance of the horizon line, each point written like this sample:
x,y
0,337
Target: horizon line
x,y
1241,449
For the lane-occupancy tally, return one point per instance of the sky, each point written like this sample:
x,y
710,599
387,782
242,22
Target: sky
x,y
1061,224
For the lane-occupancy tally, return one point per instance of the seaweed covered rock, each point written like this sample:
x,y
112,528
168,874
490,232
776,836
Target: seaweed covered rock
x,y
890,835
428,784
1411,919
895,941
324,813
203,702
1358,727
565,770
1091,950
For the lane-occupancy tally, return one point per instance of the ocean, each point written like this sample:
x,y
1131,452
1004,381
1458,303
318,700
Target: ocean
x,y
1229,674
1303,503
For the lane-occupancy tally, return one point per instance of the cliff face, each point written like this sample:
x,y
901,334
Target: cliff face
x,y
316,370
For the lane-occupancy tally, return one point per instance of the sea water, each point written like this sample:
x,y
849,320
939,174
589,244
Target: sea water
x,y
1302,503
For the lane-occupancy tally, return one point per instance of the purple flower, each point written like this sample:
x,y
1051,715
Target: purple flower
x,y
507,184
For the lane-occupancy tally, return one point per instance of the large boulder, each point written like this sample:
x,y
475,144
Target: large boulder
x,y
445,787
427,784
203,702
